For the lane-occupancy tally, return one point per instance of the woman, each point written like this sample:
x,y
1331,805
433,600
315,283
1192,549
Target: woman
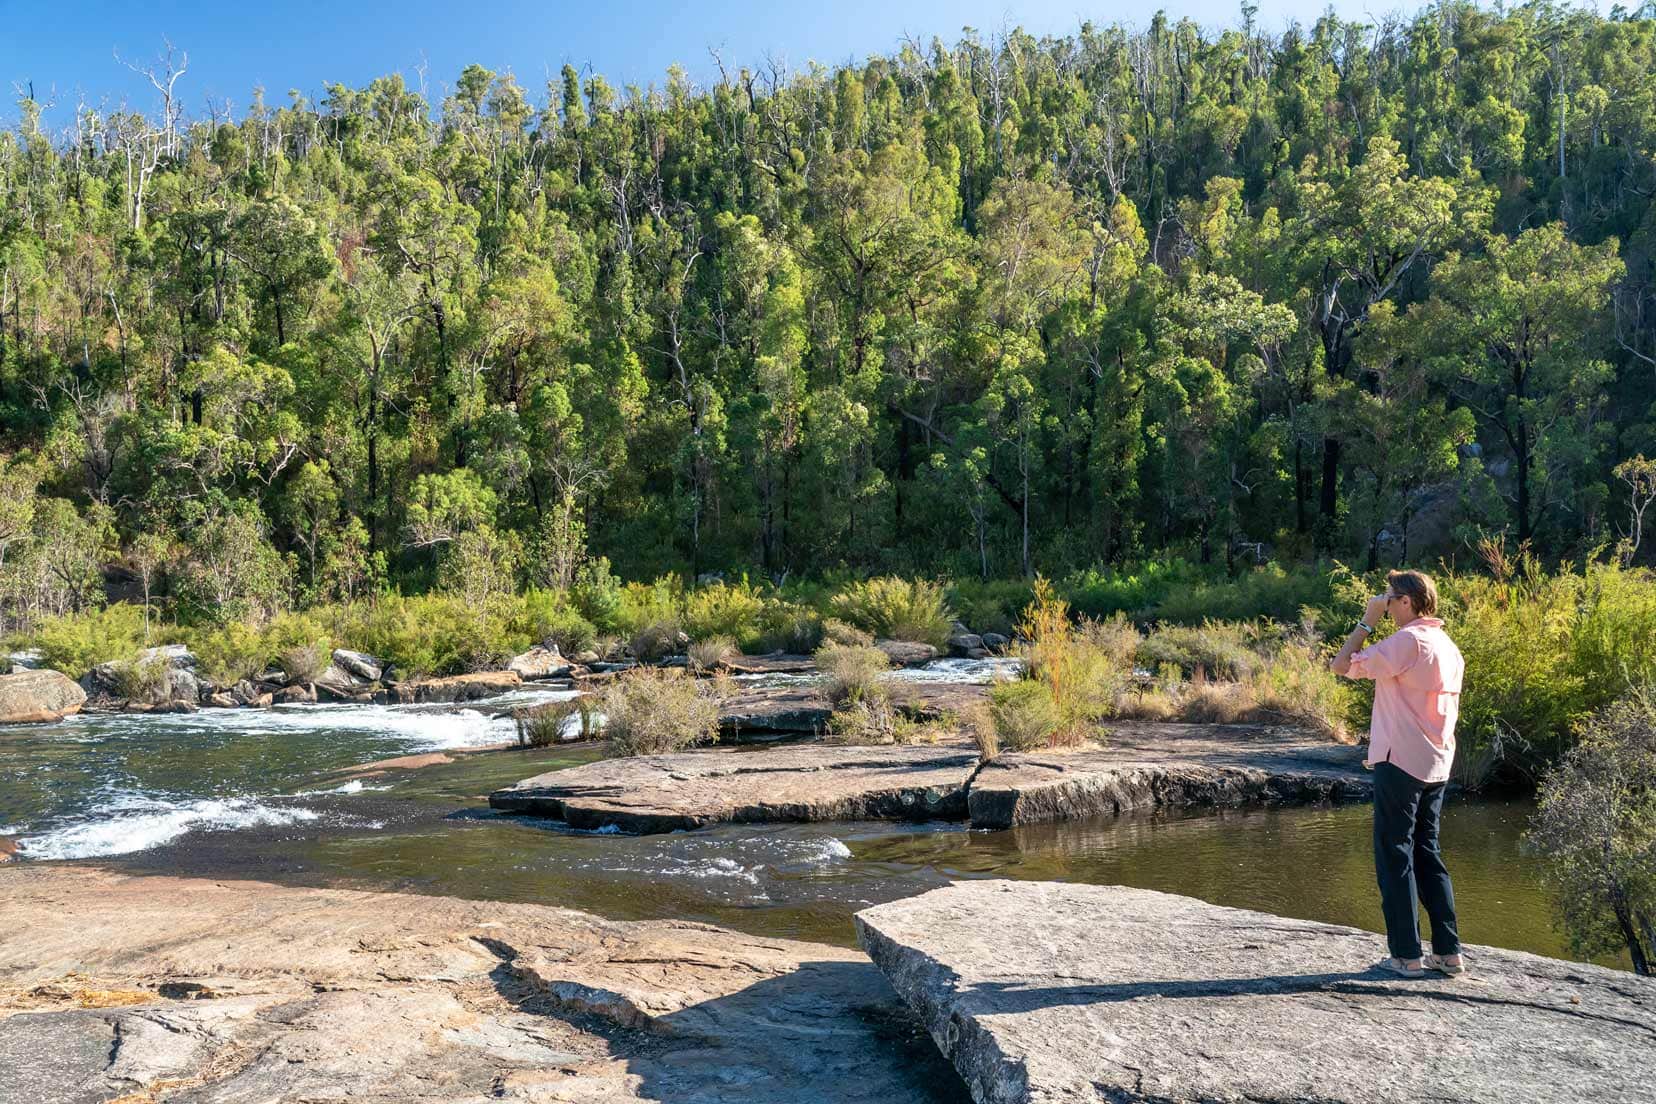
x,y
1417,681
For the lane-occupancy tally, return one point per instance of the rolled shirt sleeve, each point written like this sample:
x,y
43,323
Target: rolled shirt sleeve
x,y
1387,659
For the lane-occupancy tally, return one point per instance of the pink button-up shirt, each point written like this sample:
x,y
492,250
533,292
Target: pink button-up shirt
x,y
1417,682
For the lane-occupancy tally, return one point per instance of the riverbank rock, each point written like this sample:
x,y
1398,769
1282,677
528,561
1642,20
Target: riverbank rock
x,y
294,695
1146,765
967,645
771,713
186,989
907,653
539,663
38,697
1040,991
456,688
694,789
156,676
365,667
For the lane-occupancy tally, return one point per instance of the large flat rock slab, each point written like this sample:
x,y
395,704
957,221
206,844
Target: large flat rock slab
x,y
1145,765
694,789
197,992
768,712
1046,992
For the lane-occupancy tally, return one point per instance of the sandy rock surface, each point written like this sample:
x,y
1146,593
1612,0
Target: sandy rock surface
x,y
141,989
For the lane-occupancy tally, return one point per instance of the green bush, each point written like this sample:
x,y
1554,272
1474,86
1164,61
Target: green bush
x,y
547,617
142,680
231,652
731,610
433,634
788,627
76,644
304,662
897,609
851,671
648,711
835,631
1218,649
597,595
993,606
1023,715
645,604
1135,591
867,720
1268,591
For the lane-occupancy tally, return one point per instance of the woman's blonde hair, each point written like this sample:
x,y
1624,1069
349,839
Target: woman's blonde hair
x,y
1418,587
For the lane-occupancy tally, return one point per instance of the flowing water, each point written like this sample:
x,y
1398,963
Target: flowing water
x,y
269,794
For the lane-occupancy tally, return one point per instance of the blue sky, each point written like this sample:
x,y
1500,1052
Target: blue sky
x,y
66,48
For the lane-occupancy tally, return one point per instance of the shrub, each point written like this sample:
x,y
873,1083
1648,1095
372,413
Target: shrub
x,y
1296,687
1135,591
981,725
839,632
546,617
866,719
1023,715
646,604
730,610
433,634
304,662
851,671
897,609
76,644
1595,830
651,712
1115,637
657,640
1270,591
548,725
142,680
711,653
597,595
992,606
789,627
1218,649
1080,678
231,652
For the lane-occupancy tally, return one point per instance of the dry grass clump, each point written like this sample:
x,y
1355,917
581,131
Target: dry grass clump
x,y
651,712
851,671
866,719
657,640
712,653
980,725
1076,664
546,725
1293,687
1115,637
1023,715
304,662
1220,649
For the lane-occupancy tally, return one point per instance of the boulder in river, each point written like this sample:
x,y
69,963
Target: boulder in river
x,y
1049,992
966,645
995,642
294,695
38,697
907,653
365,667
539,663
338,679
155,676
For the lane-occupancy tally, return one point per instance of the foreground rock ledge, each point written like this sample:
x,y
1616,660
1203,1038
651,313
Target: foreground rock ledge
x,y
186,990
1048,992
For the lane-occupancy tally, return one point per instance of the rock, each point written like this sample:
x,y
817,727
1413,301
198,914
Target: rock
x,y
907,653
1144,765
365,667
457,688
185,989
165,673
38,697
175,655
965,645
777,663
693,789
995,642
539,663
796,711
222,700
338,679
273,677
263,701
587,657
8,849
244,692
1041,991
294,695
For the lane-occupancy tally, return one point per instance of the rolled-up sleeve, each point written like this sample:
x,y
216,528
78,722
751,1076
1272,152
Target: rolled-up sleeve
x,y
1387,659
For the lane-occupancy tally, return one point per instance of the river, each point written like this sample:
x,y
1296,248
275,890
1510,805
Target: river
x,y
268,794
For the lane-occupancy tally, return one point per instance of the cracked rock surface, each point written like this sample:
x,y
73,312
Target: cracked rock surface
x,y
116,988
1046,992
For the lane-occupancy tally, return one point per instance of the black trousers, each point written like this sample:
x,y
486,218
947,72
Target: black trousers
x,y
1408,863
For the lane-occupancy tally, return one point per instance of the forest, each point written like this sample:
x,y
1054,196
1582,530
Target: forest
x,y
1367,292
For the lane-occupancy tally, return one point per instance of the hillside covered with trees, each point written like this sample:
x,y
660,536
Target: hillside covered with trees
x,y
1365,291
